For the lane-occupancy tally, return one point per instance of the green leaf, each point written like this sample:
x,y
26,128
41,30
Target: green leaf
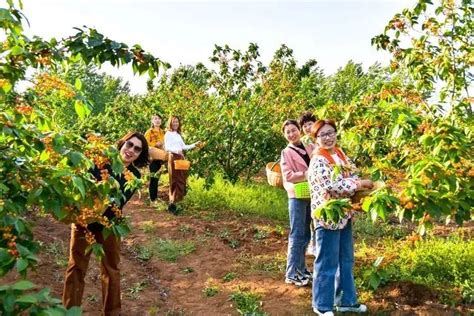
x,y
23,285
29,299
78,84
16,50
74,311
75,157
79,184
81,109
374,280
123,230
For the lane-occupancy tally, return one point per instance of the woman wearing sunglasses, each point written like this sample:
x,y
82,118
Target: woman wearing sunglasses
x,y
133,149
334,243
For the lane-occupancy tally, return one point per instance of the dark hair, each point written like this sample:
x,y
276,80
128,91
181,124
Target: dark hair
x,y
306,117
289,122
142,159
153,117
320,123
170,121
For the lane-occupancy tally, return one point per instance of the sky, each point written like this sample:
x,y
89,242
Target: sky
x,y
185,32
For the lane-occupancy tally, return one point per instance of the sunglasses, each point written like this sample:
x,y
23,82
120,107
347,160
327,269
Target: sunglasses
x,y
130,145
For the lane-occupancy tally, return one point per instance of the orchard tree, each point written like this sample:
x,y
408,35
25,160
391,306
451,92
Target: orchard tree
x,y
400,136
434,43
43,167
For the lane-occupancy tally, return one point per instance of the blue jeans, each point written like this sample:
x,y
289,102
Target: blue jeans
x,y
300,234
335,249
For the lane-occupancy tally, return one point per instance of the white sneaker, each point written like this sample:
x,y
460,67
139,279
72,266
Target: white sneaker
x,y
297,280
328,313
358,308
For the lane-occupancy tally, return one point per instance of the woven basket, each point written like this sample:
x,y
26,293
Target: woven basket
x,y
302,190
274,177
181,164
359,195
157,154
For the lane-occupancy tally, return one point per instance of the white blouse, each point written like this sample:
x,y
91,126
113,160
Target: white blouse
x,y
174,143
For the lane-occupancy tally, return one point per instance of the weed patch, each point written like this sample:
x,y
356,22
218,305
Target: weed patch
x,y
247,302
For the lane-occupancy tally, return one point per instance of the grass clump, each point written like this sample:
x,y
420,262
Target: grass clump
x,y
247,302
171,250
439,263
243,198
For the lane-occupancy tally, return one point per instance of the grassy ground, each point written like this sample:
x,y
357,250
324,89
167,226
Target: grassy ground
x,y
442,261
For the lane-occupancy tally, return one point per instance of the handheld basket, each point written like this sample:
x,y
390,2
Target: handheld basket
x,y
181,164
302,190
274,177
157,154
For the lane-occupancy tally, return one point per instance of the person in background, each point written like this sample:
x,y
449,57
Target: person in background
x,y
133,149
295,159
155,138
306,121
334,241
175,145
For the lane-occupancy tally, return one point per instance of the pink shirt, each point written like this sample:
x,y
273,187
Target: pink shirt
x,y
293,167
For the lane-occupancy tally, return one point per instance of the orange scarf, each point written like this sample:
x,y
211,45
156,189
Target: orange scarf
x,y
326,154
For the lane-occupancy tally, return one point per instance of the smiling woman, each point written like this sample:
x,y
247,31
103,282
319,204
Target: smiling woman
x,y
133,149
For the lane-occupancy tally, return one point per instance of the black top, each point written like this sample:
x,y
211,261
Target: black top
x,y
127,194
305,157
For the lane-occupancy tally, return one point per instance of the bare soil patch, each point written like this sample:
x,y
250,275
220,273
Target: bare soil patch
x,y
251,250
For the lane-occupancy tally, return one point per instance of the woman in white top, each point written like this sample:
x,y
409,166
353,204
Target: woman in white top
x,y
175,145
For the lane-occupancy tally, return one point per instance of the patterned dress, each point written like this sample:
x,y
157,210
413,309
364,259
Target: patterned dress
x,y
325,184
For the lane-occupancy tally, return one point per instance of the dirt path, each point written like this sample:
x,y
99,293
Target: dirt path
x,y
230,253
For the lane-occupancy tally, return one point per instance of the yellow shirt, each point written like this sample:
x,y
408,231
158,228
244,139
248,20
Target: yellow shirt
x,y
154,135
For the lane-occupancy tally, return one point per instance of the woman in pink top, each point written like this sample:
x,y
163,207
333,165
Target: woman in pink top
x,y
295,159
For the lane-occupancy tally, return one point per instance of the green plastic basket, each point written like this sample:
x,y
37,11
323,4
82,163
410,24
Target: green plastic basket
x,y
302,190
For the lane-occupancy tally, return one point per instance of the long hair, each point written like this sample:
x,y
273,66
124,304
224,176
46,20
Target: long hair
x,y
142,159
152,117
170,121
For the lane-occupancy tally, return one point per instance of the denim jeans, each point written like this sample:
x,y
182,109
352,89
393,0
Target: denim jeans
x,y
335,249
300,234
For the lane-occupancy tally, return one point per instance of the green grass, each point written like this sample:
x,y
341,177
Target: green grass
x,y
443,264
164,249
210,290
439,263
274,264
171,250
241,198
229,276
247,302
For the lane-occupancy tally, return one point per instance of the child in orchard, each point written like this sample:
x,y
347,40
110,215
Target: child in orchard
x,y
155,138
175,145
133,149
334,241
